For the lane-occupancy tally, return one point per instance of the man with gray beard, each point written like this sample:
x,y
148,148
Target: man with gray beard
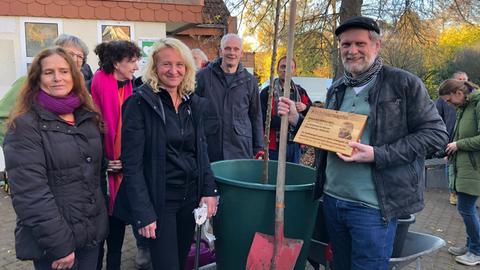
x,y
233,124
364,194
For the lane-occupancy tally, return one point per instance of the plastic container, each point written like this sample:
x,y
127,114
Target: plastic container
x,y
247,206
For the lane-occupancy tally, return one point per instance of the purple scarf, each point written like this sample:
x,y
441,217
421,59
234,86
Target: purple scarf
x,y
59,105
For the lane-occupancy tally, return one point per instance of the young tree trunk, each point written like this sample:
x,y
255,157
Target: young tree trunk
x,y
268,118
334,50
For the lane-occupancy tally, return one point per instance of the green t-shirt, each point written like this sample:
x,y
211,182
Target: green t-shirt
x,y
352,181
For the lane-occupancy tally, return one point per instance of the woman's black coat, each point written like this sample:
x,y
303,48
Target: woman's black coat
x,y
55,175
140,199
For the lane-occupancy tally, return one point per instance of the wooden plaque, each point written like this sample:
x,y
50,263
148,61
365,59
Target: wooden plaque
x,y
331,130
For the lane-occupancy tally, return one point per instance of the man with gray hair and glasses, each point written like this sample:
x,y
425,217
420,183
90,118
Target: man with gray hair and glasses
x,y
233,124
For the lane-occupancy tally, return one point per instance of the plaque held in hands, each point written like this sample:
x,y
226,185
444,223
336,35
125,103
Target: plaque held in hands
x,y
331,130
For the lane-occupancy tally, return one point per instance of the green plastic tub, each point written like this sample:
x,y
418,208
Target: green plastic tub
x,y
247,206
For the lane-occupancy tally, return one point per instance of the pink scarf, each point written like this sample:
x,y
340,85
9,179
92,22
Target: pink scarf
x,y
105,94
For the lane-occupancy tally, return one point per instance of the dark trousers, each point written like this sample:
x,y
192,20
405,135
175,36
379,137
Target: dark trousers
x,y
174,236
115,242
85,259
293,153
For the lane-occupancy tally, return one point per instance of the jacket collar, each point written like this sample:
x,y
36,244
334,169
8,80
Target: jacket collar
x,y
81,114
216,65
472,97
153,100
338,87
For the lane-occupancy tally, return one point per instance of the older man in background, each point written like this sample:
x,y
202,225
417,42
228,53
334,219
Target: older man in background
x,y
234,120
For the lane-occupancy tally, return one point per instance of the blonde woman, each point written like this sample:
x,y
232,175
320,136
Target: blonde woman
x,y
165,162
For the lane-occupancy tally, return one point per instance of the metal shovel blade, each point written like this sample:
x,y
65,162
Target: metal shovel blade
x,y
260,256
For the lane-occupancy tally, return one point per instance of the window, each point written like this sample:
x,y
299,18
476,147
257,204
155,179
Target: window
x,y
36,35
114,31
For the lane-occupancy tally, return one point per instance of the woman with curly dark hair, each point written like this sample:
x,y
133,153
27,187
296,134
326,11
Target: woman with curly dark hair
x,y
111,86
53,154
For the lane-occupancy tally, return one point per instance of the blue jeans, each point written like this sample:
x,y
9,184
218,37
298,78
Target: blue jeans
x,y
293,153
466,206
360,238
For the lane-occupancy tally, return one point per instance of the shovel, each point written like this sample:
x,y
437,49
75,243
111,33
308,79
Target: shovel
x,y
197,246
278,252
275,252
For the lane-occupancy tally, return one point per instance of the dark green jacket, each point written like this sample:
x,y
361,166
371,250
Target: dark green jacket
x,y
464,168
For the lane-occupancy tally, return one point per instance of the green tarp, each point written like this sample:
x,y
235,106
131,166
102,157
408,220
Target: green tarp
x,y
6,104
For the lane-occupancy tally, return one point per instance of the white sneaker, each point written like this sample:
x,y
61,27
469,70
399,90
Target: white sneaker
x,y
457,251
468,259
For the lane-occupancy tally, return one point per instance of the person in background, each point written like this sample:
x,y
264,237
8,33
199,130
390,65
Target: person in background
x,y
234,117
364,194
166,168
302,102
78,50
448,114
201,59
87,75
53,153
464,155
111,86
460,75
75,47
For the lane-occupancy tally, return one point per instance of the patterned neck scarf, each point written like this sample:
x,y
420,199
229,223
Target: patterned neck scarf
x,y
278,92
365,77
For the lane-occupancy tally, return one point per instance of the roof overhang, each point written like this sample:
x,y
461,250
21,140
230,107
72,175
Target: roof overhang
x,y
173,12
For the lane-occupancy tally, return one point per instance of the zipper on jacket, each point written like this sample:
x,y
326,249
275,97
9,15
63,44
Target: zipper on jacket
x,y
182,126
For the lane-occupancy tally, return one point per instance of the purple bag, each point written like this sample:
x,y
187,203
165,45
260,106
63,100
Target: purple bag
x,y
207,256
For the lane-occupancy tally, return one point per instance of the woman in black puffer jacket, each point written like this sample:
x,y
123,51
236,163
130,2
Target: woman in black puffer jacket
x,y
53,154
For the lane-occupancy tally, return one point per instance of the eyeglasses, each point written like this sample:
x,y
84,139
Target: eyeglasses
x,y
77,57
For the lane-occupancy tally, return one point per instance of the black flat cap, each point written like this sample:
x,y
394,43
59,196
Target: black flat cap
x,y
357,22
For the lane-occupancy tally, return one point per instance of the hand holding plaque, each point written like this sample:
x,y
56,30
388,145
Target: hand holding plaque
x,y
331,130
